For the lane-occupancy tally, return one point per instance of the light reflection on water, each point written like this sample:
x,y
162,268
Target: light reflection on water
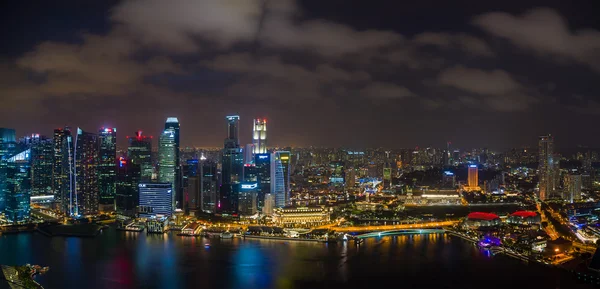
x,y
117,259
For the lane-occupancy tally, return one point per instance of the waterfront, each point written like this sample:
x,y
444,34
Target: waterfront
x,y
116,259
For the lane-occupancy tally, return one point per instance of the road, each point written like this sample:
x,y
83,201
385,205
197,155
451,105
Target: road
x,y
394,227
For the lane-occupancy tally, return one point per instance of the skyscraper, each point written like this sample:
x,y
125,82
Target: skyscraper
x,y
166,159
173,123
42,163
126,188
232,170
262,164
574,187
63,170
208,186
18,187
259,136
249,154
156,199
546,166
247,198
86,174
473,176
280,177
139,152
7,150
107,167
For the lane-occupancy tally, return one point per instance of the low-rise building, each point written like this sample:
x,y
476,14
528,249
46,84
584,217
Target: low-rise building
x,y
301,216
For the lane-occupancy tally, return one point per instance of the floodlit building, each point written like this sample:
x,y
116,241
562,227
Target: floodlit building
x,y
301,216
259,136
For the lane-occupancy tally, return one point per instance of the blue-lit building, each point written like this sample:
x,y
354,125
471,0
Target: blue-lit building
x,y
18,187
155,200
7,149
280,178
233,169
107,167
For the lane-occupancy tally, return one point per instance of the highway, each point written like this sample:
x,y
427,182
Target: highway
x,y
394,227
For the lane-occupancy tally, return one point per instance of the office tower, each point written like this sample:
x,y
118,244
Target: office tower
x,y
7,149
166,160
208,186
193,194
259,136
247,198
473,176
18,187
63,170
232,169
86,174
249,154
546,166
269,204
126,188
139,152
42,163
574,187
107,167
172,123
262,163
250,173
155,199
280,178
191,185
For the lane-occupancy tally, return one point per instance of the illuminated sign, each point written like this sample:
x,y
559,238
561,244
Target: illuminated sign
x,y
472,166
142,185
448,173
262,157
249,186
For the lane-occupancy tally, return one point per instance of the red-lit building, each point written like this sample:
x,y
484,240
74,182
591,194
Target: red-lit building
x,y
480,219
524,218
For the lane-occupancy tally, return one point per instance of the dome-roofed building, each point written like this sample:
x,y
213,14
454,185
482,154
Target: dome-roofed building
x,y
481,219
524,218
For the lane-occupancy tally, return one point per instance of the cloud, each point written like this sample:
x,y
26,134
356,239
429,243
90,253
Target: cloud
x,y
546,32
465,42
497,88
383,90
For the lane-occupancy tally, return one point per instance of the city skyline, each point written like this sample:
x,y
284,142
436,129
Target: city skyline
x,y
457,73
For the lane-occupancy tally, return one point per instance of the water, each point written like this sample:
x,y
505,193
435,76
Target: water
x,y
118,259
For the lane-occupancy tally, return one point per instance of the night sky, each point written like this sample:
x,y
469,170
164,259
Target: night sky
x,y
328,73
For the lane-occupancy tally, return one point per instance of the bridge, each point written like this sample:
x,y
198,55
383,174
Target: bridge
x,y
400,232
426,225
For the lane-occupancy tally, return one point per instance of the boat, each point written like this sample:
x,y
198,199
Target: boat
x,y
226,235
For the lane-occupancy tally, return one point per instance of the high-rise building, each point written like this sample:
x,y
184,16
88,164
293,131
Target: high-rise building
x,y
249,154
574,187
448,180
86,174
166,159
247,198
128,178
18,187
269,204
172,123
139,152
280,177
107,167
259,136
190,171
250,173
546,166
232,169
63,170
262,163
155,200
7,149
42,162
208,186
473,176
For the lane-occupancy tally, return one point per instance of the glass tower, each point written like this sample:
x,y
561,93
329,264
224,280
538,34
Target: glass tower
x,y
107,166
128,178
139,152
155,199
166,159
18,187
172,123
263,177
42,163
232,170
86,174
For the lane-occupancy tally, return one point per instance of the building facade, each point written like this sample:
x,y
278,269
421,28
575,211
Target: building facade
x,y
107,167
172,123
139,152
18,187
259,136
546,166
301,216
232,169
166,159
86,174
155,200
42,163
126,195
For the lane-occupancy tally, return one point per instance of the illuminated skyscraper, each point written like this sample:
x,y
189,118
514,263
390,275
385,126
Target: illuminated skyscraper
x,y
63,170
166,159
173,123
247,198
18,187
574,187
7,150
107,167
42,162
139,152
262,164
86,174
249,154
546,166
232,170
280,177
156,199
208,185
473,177
259,136
128,179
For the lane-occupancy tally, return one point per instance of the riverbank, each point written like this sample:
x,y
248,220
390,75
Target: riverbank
x,y
78,230
286,239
